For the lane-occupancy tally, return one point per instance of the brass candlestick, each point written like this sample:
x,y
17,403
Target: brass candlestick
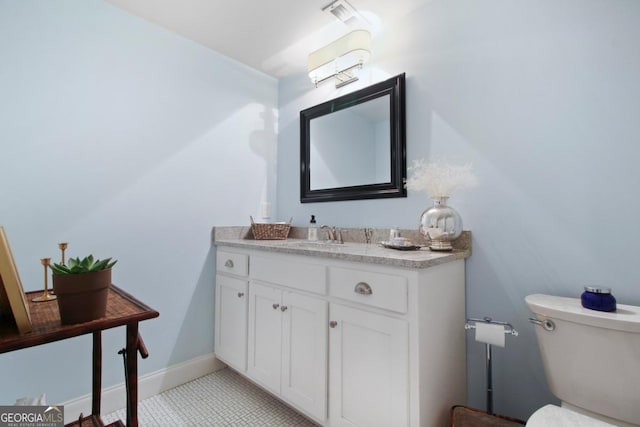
x,y
62,247
46,296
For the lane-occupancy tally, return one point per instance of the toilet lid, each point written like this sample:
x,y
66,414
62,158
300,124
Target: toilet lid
x,y
555,416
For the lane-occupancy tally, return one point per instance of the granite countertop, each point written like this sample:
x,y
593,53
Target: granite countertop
x,y
355,251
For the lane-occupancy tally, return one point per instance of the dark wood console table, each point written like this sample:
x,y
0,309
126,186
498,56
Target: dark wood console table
x,y
122,310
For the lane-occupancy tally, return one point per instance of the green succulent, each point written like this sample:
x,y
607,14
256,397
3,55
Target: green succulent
x,y
86,265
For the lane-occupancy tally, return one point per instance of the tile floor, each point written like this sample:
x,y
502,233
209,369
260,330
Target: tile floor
x,y
223,398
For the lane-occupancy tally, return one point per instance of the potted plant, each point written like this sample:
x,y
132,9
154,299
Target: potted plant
x,y
82,287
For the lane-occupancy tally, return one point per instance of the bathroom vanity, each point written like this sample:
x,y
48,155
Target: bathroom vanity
x,y
350,335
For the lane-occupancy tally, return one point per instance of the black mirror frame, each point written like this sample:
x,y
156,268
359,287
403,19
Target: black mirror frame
x,y
395,87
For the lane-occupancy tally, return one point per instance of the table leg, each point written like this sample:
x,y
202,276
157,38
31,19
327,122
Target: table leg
x,y
97,373
132,374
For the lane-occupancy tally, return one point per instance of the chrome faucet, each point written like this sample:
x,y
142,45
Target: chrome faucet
x,y
330,232
338,235
334,235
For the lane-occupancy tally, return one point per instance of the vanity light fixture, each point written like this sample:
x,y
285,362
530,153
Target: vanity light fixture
x,y
339,59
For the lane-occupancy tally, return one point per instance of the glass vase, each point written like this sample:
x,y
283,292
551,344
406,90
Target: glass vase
x,y
441,224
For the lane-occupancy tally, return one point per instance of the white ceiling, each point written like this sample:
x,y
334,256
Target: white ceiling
x,y
273,36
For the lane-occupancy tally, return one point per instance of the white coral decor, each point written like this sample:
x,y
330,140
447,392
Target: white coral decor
x,y
440,179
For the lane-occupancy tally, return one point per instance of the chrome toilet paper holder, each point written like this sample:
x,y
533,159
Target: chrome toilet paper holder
x,y
508,330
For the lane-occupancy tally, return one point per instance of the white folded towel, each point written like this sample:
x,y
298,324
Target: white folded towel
x,y
555,416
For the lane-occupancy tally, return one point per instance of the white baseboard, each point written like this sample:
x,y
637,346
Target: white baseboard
x,y
114,397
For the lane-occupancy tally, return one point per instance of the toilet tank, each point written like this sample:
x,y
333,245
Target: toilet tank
x,y
591,358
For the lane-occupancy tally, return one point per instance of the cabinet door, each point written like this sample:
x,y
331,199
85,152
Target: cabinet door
x,y
304,353
231,321
265,330
368,369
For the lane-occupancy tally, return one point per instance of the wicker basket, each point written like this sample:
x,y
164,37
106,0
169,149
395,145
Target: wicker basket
x,y
270,231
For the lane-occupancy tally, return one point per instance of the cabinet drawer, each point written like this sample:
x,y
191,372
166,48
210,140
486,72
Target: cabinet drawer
x,y
230,262
291,273
388,291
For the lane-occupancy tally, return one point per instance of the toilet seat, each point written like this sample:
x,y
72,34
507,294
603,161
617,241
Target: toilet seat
x,y
555,416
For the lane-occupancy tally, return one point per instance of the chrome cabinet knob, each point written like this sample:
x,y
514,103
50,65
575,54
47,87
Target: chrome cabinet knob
x,y
283,308
240,294
275,306
229,264
333,324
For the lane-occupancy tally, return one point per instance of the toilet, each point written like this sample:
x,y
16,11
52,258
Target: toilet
x,y
591,360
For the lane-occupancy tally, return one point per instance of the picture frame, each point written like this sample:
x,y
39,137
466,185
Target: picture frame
x,y
13,303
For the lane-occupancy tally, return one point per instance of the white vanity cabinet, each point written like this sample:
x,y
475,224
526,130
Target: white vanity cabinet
x,y
353,343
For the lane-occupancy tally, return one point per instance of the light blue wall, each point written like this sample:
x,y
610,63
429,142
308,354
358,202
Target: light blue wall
x,y
127,141
543,97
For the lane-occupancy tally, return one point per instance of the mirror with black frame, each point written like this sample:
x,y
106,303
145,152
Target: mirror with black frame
x,y
353,147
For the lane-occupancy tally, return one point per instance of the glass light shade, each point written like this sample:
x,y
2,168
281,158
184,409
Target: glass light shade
x,y
441,224
343,54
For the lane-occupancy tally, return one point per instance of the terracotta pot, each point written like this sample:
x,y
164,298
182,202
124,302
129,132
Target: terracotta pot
x,y
82,297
